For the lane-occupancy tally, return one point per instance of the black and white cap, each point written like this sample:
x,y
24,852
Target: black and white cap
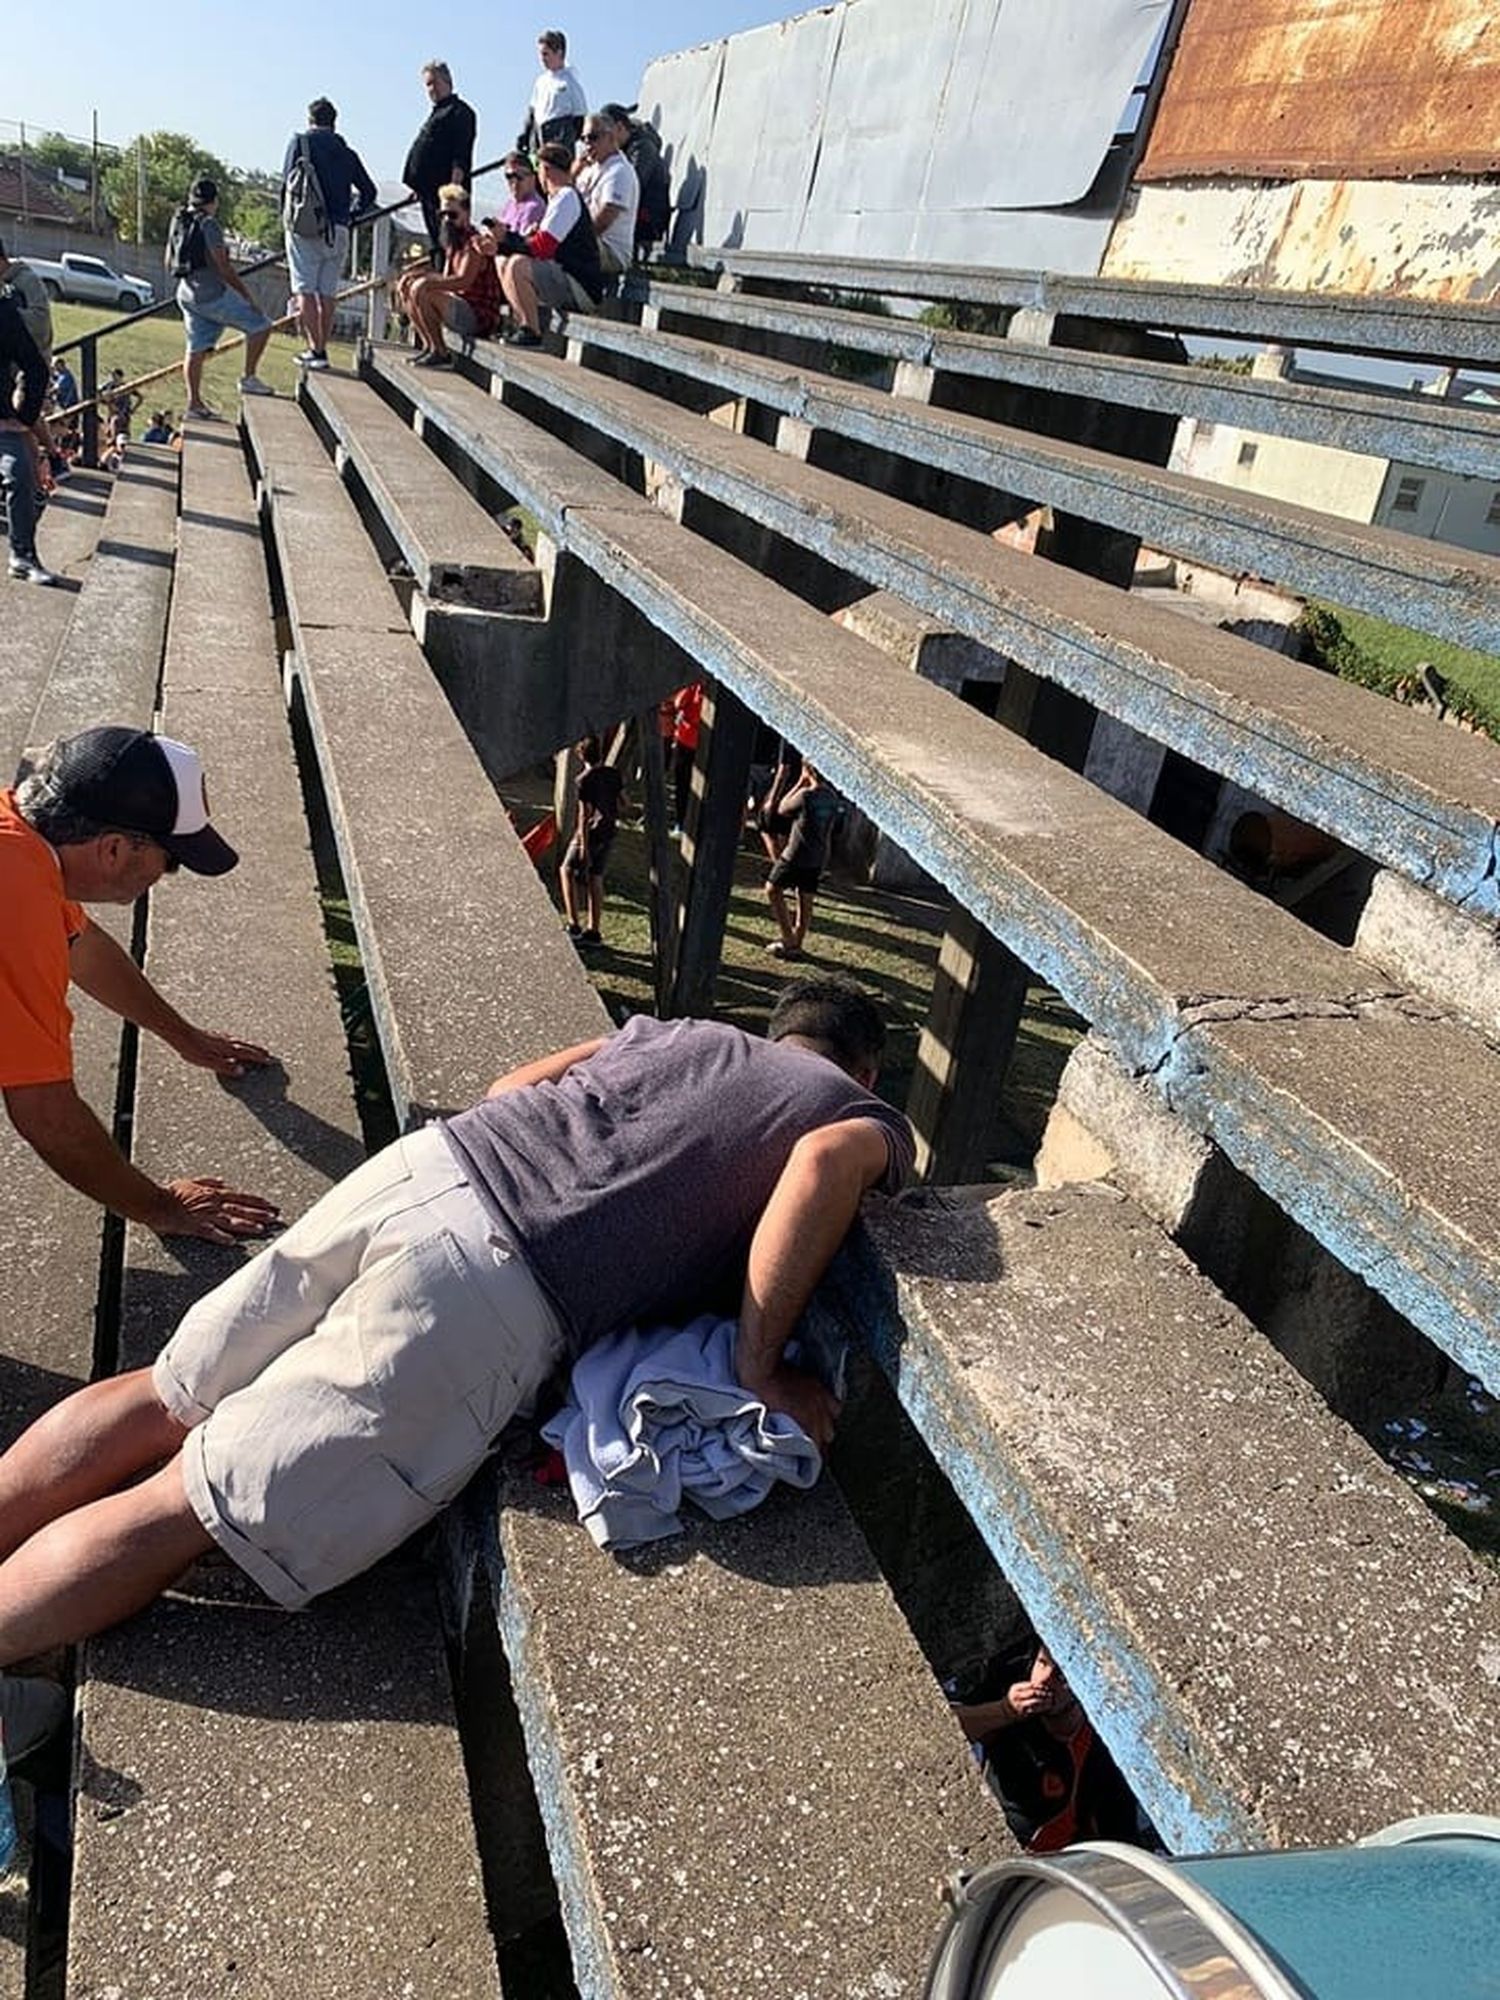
x,y
142,783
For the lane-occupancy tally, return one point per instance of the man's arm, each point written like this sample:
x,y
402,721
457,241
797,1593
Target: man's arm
x,y
60,1128
603,217
806,1219
220,259
108,974
546,1069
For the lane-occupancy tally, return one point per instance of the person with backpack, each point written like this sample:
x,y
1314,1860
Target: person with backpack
x,y
324,185
23,385
211,295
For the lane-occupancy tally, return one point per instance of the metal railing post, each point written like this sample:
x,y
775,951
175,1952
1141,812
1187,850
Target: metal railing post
x,y
377,316
88,389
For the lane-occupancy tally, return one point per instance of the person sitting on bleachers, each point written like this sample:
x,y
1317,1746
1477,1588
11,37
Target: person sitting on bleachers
x,y
558,263
525,204
611,193
464,295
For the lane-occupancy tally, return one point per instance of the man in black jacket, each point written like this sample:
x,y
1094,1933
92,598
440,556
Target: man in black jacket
x,y
23,386
443,151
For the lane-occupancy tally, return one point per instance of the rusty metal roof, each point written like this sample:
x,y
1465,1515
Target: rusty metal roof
x,y
1349,89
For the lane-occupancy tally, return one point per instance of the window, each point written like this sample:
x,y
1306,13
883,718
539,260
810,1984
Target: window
x,y
91,267
1408,496
1249,453
1492,518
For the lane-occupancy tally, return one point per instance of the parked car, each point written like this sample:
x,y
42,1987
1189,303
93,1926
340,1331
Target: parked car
x,y
91,281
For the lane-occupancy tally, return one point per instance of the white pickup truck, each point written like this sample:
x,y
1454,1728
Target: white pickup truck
x,y
91,281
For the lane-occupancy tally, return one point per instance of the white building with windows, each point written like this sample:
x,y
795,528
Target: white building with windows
x,y
1441,506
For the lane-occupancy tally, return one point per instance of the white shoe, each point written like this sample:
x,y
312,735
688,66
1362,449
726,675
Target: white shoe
x,y
251,385
30,1711
32,572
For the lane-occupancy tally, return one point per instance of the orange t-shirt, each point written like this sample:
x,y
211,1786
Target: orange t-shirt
x,y
37,924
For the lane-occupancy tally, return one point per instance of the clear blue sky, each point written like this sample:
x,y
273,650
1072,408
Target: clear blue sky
x,y
238,77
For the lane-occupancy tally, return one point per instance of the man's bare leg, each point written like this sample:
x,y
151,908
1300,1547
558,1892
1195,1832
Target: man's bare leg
x,y
88,1445
97,1565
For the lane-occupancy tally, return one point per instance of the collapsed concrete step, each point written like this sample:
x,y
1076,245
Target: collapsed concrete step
x,y
447,907
1419,798
1231,1579
1453,593
1446,330
1453,437
267,1802
1362,1112
455,552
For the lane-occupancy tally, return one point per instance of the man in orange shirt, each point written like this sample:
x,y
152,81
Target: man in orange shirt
x,y
99,818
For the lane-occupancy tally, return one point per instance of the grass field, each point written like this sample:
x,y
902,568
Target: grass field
x,y
157,343
1388,658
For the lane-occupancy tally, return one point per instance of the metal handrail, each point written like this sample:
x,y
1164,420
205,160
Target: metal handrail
x,y
87,344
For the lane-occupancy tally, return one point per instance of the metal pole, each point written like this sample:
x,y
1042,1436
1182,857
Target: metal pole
x,y
377,318
94,179
88,389
140,189
25,205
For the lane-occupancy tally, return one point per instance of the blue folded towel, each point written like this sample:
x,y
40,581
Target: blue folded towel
x,y
656,1417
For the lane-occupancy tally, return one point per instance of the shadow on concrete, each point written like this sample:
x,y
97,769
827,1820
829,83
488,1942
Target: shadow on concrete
x,y
265,1093
25,1392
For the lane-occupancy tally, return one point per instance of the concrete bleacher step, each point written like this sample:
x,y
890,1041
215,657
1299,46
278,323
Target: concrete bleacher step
x,y
1453,593
1362,1112
456,553
268,1802
36,619
445,902
1421,429
1421,799
1280,1642
1447,330
747,1775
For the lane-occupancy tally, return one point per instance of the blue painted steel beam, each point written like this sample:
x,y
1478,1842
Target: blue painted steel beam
x,y
1461,438
1446,333
1431,586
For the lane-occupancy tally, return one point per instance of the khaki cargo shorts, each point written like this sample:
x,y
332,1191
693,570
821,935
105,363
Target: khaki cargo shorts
x,y
348,1381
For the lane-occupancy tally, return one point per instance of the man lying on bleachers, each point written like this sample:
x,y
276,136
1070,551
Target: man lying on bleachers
x,y
325,1402
98,818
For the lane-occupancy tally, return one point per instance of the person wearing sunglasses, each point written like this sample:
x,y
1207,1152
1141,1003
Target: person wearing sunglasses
x,y
557,265
611,192
525,203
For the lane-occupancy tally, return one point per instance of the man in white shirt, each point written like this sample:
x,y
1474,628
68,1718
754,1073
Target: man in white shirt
x,y
611,193
558,106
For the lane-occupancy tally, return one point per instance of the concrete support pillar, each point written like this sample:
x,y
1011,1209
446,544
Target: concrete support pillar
x,y
914,380
710,842
1433,948
377,310
1124,763
964,1052
794,437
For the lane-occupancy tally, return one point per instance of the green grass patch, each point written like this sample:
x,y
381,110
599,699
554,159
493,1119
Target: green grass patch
x,y
1389,658
157,343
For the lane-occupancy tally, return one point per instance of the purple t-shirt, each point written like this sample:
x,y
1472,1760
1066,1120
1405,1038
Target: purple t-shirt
x,y
635,1182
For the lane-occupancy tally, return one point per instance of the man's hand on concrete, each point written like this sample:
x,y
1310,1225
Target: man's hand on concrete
x,y
206,1207
804,1399
224,1054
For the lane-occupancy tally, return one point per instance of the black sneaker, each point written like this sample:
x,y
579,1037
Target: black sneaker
x,y
524,337
590,937
575,931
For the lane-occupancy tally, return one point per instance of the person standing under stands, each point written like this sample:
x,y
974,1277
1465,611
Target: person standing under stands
x,y
601,793
558,264
687,725
811,809
316,263
558,106
23,389
443,151
211,295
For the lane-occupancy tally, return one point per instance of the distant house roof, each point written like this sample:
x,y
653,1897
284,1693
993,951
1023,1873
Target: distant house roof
x,y
45,200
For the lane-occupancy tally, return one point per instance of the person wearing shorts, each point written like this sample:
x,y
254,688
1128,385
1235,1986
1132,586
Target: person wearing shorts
x,y
329,1397
464,296
316,263
212,298
600,793
557,265
809,809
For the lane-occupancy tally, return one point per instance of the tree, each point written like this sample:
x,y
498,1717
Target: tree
x,y
258,220
55,152
174,160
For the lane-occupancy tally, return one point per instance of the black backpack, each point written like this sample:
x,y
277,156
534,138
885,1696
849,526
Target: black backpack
x,y
186,250
643,149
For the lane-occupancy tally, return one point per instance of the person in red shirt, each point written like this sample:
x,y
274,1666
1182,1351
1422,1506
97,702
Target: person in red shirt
x,y
687,721
99,818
